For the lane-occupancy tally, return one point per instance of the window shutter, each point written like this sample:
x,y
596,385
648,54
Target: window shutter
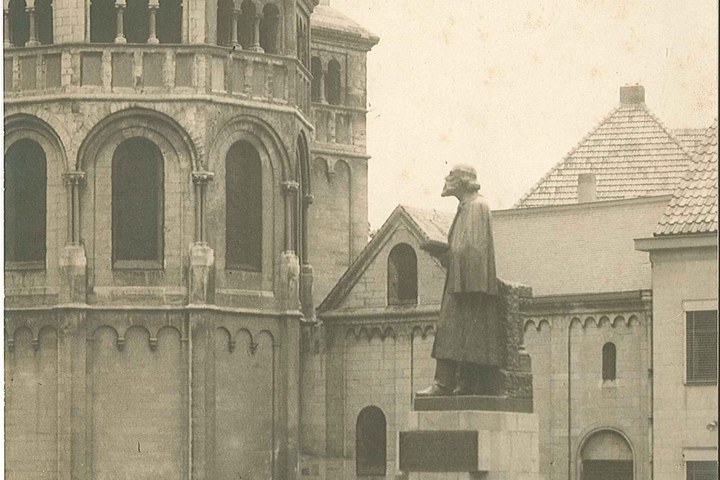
x,y
702,470
701,347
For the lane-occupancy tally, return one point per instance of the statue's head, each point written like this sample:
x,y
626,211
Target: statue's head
x,y
461,180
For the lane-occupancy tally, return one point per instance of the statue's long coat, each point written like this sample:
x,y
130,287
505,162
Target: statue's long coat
x,y
469,327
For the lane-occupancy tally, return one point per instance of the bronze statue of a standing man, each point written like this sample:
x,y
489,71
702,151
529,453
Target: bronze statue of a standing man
x,y
468,339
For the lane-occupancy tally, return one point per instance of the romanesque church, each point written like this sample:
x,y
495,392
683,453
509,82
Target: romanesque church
x,y
190,291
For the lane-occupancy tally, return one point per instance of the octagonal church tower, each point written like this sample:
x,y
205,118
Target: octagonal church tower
x,y
160,232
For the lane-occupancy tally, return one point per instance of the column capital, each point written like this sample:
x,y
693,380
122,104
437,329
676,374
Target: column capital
x,y
153,4
308,199
73,177
120,4
201,177
290,187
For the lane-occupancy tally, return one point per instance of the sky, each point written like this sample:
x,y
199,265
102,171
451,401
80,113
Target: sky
x,y
512,86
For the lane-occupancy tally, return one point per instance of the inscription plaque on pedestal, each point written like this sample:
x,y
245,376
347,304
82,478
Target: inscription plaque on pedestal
x,y
439,451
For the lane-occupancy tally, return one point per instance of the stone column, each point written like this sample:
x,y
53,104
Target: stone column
x,y
234,30
289,265
321,81
73,180
6,26
32,37
153,6
120,31
202,257
307,302
290,190
73,263
200,182
256,34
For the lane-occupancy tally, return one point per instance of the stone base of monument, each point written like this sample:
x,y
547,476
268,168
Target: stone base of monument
x,y
443,444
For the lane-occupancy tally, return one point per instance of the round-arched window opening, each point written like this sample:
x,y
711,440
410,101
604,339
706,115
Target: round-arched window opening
x,y
609,362
137,205
402,275
25,204
243,208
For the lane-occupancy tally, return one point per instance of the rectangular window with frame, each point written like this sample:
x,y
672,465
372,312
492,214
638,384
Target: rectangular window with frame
x,y
704,470
701,331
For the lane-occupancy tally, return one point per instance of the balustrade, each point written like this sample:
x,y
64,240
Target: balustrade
x,y
122,69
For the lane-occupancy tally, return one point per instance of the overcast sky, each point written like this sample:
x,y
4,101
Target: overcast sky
x,y
512,86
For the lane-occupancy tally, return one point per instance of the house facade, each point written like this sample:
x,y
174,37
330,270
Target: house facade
x,y
683,252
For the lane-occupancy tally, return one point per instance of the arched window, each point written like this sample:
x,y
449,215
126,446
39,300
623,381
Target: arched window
x,y
303,44
246,25
370,442
316,70
169,21
402,275
606,455
44,21
19,23
333,83
25,203
137,205
269,28
102,21
608,361
224,22
243,208
137,21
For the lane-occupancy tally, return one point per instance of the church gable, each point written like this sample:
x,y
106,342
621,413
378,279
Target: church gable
x,y
392,272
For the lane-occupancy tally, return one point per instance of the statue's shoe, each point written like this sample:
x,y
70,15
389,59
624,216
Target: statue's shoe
x,y
434,391
463,391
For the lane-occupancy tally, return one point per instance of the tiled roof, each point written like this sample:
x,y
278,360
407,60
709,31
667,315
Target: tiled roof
x,y
694,206
569,249
434,224
630,152
689,137
326,17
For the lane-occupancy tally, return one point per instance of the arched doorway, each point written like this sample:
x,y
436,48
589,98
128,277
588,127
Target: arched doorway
x,y
606,455
370,442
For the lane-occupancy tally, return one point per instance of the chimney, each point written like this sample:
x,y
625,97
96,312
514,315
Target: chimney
x,y
632,94
587,188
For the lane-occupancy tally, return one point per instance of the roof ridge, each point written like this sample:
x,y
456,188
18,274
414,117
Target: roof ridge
x,y
597,126
669,132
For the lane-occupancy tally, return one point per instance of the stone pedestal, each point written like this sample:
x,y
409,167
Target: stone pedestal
x,y
470,444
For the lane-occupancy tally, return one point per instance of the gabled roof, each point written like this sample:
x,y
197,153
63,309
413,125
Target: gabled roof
x,y
324,17
631,153
433,224
557,250
357,268
694,205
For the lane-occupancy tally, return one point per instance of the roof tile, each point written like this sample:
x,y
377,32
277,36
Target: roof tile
x,y
694,205
631,153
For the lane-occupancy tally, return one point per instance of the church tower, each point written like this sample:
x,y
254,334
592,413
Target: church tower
x,y
159,174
